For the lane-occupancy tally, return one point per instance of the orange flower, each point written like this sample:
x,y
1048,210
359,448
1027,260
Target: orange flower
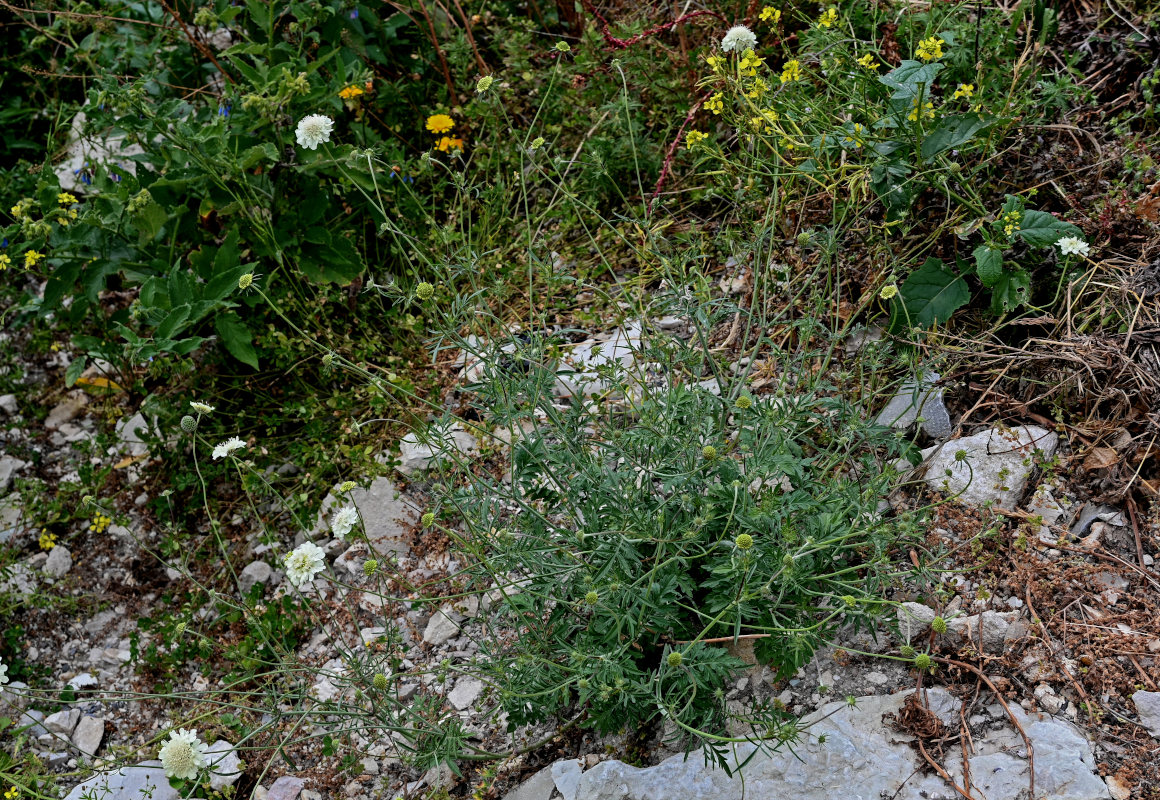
x,y
350,92
449,143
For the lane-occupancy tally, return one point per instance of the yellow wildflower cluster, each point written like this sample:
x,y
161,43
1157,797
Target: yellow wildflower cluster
x,y
828,18
749,64
771,15
351,92
792,71
715,62
715,104
965,90
758,89
868,61
66,199
47,540
1010,221
31,257
926,110
5,262
856,135
694,138
100,523
930,49
21,209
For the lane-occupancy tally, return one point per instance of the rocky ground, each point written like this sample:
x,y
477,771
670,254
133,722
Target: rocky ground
x,y
1051,657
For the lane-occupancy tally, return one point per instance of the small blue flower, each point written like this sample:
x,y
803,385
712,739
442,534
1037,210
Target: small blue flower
x,y
354,13
5,242
225,109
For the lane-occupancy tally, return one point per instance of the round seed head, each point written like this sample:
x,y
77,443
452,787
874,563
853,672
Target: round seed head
x,y
188,424
675,659
380,682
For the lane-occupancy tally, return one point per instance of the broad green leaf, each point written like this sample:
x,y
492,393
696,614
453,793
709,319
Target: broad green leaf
x,y
173,322
1010,291
988,264
149,221
237,338
905,79
1040,229
339,262
73,373
955,131
929,296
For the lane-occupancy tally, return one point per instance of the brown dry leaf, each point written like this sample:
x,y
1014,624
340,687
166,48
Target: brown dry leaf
x,y
1101,458
1148,206
130,460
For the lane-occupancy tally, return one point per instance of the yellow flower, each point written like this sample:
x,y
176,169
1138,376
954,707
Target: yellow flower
x,y
868,62
65,199
966,90
930,49
694,138
926,110
31,257
857,130
448,143
792,71
749,64
351,92
760,87
5,262
828,18
715,62
47,540
21,209
771,15
715,104
440,123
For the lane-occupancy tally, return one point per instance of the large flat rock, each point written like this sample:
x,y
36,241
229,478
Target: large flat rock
x,y
862,758
995,466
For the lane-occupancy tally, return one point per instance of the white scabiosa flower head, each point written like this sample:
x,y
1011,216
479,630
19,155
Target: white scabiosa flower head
x,y
183,754
739,39
306,561
228,447
343,521
1073,245
201,408
313,131
3,673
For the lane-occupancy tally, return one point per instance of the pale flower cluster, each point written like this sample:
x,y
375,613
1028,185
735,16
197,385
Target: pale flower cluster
x,y
183,754
739,39
227,447
306,561
343,521
1073,246
313,131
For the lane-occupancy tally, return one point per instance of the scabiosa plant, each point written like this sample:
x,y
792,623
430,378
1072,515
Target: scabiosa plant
x,y
304,562
183,754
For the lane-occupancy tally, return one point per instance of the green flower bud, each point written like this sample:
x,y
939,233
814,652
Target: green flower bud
x,y
563,47
675,659
850,600
743,541
938,625
246,281
922,661
188,424
370,567
380,682
427,520
346,486
483,84
424,291
709,452
743,402
592,598
907,651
